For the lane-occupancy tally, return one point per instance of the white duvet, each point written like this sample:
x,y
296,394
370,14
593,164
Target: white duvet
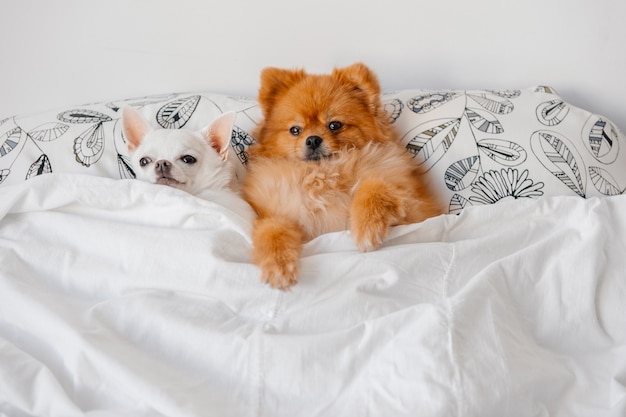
x,y
121,298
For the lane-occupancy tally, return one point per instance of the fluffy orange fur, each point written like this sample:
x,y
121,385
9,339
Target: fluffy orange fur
x,y
326,159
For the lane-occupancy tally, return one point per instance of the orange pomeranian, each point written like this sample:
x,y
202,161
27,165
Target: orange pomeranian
x,y
326,159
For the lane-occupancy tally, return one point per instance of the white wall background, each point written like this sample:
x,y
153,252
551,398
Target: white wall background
x,y
68,52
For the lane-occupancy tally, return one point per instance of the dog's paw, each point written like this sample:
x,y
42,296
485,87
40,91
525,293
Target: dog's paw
x,y
279,276
375,206
277,247
368,235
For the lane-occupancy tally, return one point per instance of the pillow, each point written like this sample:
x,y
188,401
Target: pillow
x,y
476,147
482,147
88,139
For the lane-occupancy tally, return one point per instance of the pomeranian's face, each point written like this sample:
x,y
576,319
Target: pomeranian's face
x,y
311,117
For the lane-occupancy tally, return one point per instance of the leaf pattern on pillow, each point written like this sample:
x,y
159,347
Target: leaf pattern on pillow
x,y
604,182
559,158
462,174
431,144
545,89
481,111
475,146
4,173
89,145
240,140
393,109
493,104
602,140
457,204
10,140
506,93
139,102
483,121
48,131
175,114
430,101
553,112
125,167
40,166
80,116
503,151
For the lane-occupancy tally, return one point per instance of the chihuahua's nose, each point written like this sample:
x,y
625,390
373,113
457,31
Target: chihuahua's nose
x,y
162,165
313,142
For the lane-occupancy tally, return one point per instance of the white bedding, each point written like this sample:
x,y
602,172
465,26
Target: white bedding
x,y
122,298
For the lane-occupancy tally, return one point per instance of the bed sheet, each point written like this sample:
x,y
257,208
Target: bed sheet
x,y
123,298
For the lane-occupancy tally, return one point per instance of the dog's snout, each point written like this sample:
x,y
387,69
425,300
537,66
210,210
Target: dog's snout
x,y
313,142
162,165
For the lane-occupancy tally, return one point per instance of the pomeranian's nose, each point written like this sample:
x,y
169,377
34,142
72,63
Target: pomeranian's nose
x,y
313,142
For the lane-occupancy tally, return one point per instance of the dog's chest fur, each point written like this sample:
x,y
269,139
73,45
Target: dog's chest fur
x,y
315,194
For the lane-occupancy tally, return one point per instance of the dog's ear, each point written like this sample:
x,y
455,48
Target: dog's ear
x,y
362,78
134,126
219,132
274,82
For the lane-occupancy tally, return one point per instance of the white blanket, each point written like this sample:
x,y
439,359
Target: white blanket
x,y
121,298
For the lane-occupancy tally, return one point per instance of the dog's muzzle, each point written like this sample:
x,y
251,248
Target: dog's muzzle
x,y
314,150
313,142
163,167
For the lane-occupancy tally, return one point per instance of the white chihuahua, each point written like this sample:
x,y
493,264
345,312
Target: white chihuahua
x,y
193,161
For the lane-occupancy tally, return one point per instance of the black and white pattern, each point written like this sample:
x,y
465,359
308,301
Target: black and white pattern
x,y
481,147
476,147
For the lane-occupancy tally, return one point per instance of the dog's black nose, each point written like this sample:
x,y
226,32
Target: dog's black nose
x,y
313,142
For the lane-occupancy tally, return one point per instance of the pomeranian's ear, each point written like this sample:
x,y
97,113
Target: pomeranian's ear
x,y
361,77
274,82
219,132
134,126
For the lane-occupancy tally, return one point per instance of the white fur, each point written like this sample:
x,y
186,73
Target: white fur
x,y
167,154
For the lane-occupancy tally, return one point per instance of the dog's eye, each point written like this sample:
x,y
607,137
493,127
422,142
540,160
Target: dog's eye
x,y
295,130
144,161
335,125
188,159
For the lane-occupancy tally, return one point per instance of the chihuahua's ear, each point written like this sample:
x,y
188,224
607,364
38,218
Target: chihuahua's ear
x,y
362,78
134,126
274,82
219,132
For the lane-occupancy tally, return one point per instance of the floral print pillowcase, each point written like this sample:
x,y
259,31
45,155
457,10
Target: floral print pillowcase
x,y
476,147
483,147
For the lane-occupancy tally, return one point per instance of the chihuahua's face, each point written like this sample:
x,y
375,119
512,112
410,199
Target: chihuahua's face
x,y
188,160
311,117
178,158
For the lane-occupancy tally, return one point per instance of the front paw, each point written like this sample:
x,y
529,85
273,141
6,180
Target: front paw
x,y
278,274
368,234
277,248
375,206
